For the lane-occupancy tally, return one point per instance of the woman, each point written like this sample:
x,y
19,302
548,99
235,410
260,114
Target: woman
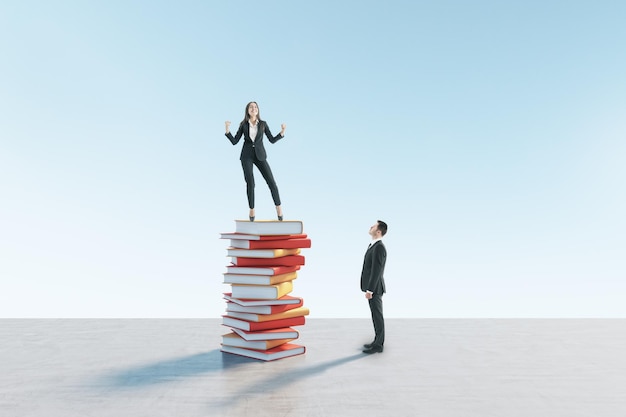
x,y
253,153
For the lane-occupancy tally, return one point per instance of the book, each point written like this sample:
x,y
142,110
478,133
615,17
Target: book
x,y
262,292
271,334
266,325
279,352
246,236
285,299
259,279
260,318
233,339
261,253
264,309
269,227
261,270
271,244
290,260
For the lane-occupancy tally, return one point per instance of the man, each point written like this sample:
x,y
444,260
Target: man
x,y
373,284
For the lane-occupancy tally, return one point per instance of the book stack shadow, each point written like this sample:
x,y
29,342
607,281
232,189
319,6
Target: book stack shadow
x,y
261,312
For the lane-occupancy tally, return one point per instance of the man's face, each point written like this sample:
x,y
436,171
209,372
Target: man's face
x,y
374,230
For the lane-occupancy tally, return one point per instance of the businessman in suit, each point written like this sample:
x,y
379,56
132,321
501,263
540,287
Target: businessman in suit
x,y
373,284
253,130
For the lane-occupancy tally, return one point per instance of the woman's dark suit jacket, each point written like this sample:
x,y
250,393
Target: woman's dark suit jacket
x,y
250,149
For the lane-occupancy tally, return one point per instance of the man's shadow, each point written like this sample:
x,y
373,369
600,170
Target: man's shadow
x,y
282,380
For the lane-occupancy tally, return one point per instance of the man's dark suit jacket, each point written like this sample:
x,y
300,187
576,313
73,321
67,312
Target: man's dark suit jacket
x,y
250,149
374,268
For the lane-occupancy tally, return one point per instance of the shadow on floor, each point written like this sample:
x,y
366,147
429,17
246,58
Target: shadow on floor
x,y
282,380
172,370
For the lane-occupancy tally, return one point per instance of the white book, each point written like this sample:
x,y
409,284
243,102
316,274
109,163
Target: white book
x,y
262,292
261,253
259,279
273,334
286,299
279,352
269,227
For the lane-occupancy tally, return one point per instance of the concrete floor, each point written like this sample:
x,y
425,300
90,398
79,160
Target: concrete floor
x,y
430,367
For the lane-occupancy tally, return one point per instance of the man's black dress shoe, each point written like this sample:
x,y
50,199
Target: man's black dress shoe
x,y
373,349
368,345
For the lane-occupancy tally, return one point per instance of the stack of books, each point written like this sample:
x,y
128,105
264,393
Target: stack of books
x,y
260,310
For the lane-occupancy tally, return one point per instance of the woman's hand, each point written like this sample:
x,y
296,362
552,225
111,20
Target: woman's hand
x,y
282,129
227,124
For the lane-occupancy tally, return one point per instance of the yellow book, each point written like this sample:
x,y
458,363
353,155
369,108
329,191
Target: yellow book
x,y
296,312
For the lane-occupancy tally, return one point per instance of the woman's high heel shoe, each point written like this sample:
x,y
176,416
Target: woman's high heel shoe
x,y
251,218
280,218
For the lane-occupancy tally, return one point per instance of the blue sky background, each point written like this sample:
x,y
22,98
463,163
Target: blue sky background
x,y
489,135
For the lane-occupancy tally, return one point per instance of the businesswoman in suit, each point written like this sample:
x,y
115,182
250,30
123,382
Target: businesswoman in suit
x,y
253,129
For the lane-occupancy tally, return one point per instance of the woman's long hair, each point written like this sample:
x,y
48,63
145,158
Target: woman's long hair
x,y
246,116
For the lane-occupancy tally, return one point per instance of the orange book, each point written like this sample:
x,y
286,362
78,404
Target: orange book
x,y
271,244
284,261
266,325
233,339
262,309
279,352
260,318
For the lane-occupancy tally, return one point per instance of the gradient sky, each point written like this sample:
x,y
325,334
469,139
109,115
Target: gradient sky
x,y
490,136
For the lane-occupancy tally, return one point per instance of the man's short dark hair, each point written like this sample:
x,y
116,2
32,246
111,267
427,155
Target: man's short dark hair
x,y
382,226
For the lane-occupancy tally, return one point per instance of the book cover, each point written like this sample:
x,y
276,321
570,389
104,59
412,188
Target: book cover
x,y
291,260
262,292
279,352
261,253
259,279
269,227
260,318
261,270
285,299
271,244
233,339
246,236
271,334
266,325
264,309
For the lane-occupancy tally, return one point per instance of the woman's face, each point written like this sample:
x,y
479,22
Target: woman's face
x,y
253,110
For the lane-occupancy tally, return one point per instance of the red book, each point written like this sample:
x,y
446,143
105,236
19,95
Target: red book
x,y
265,325
284,261
244,236
271,244
264,270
